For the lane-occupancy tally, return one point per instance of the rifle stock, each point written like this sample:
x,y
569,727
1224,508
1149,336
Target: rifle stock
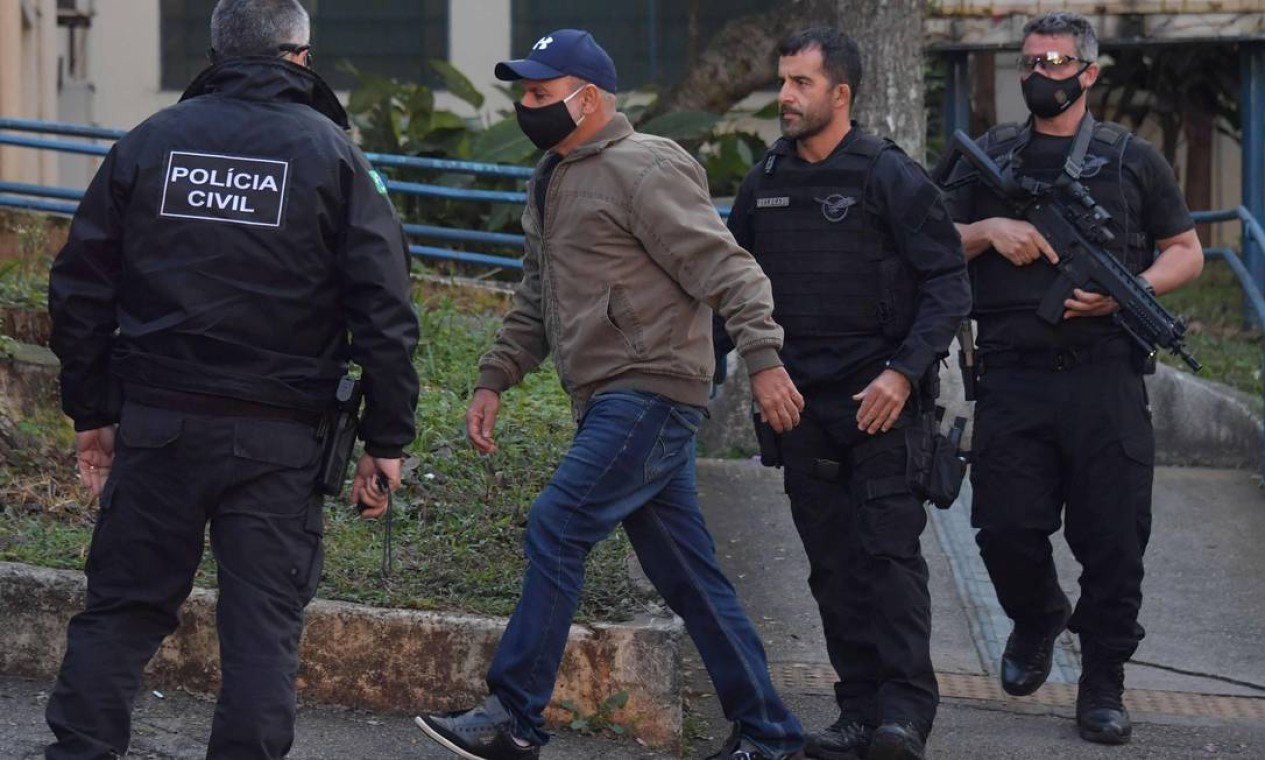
x,y
1077,231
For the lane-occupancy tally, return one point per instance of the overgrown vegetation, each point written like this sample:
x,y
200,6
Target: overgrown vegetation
x,y
458,520
24,277
1229,349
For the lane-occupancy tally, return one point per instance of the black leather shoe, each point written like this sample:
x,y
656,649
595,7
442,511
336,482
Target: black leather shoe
x,y
1027,660
845,739
1100,714
482,733
897,741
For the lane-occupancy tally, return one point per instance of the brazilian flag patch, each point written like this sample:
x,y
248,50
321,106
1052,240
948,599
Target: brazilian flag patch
x,y
378,182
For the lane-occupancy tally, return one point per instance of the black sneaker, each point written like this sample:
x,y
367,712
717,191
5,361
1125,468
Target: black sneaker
x,y
895,740
845,739
745,750
1100,714
482,733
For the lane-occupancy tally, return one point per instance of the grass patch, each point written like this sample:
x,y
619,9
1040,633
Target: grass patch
x,y
459,517
1213,306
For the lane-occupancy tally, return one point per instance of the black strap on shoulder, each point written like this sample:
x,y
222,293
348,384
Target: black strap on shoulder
x,y
1002,134
1112,134
868,146
1075,162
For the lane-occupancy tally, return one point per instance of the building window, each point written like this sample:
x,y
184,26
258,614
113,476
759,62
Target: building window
x,y
651,41
391,38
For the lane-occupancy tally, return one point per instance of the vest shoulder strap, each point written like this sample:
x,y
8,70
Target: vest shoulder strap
x,y
1002,136
1111,134
868,146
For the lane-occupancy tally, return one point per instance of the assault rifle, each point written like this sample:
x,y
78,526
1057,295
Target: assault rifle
x,y
1077,230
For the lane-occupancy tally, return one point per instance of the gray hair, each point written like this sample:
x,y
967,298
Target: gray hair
x,y
257,27
1070,24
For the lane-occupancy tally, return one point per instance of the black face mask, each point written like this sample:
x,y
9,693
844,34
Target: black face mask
x,y
1047,98
549,125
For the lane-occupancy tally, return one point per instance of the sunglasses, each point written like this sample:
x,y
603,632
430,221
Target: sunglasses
x,y
297,50
1047,61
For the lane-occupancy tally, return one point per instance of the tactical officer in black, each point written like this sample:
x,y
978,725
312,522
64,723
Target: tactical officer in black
x,y
869,282
224,254
1062,424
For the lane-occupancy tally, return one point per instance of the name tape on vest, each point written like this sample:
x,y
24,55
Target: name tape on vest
x,y
779,202
233,189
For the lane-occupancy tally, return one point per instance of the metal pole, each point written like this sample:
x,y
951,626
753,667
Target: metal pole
x,y
957,93
652,25
1252,110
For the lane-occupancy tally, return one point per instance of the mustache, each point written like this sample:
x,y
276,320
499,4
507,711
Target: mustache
x,y
785,111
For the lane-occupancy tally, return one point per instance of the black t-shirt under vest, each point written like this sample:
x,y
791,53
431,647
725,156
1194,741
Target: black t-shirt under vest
x,y
1127,177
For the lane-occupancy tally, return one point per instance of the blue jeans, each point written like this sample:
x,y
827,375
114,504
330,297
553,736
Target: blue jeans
x,y
632,461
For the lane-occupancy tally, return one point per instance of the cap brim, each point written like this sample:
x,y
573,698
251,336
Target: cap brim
x,y
507,71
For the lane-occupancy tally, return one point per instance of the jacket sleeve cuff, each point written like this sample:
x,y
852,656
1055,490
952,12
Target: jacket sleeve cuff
x,y
83,424
493,379
761,358
384,451
913,363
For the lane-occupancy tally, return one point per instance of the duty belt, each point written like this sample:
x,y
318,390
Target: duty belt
x,y
215,406
1056,359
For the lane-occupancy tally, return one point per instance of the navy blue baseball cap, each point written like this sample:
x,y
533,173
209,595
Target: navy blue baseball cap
x,y
565,52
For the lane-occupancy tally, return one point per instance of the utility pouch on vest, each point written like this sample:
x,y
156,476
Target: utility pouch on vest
x,y
338,433
935,465
770,451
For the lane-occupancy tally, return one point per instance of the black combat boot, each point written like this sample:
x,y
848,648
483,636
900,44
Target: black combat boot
x,y
845,739
898,740
1028,658
1100,713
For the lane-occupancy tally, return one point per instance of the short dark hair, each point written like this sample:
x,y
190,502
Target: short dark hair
x,y
840,56
1073,25
257,27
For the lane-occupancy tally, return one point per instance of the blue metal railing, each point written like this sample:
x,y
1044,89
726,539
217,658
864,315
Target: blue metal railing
x,y
17,195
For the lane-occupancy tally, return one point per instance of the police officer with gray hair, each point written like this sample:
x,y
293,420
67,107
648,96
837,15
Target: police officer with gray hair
x,y
869,282
233,252
1063,429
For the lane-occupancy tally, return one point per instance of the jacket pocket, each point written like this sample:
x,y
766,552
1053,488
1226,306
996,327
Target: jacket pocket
x,y
622,318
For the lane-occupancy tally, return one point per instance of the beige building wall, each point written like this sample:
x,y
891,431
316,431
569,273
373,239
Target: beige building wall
x,y
28,82
125,46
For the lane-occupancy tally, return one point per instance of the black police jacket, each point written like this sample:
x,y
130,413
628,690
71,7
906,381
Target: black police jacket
x,y
866,265
238,244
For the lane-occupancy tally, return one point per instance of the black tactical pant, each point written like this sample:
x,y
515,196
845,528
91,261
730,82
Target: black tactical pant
x,y
1075,442
867,572
253,480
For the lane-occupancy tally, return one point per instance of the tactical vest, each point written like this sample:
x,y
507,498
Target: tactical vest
x,y
833,267
999,285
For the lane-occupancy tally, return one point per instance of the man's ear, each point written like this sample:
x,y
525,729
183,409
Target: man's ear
x,y
843,96
1089,76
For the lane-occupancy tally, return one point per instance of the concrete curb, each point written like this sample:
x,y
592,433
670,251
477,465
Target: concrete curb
x,y
387,660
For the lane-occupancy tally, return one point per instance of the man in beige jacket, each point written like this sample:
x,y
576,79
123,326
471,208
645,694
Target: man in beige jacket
x,y
626,258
